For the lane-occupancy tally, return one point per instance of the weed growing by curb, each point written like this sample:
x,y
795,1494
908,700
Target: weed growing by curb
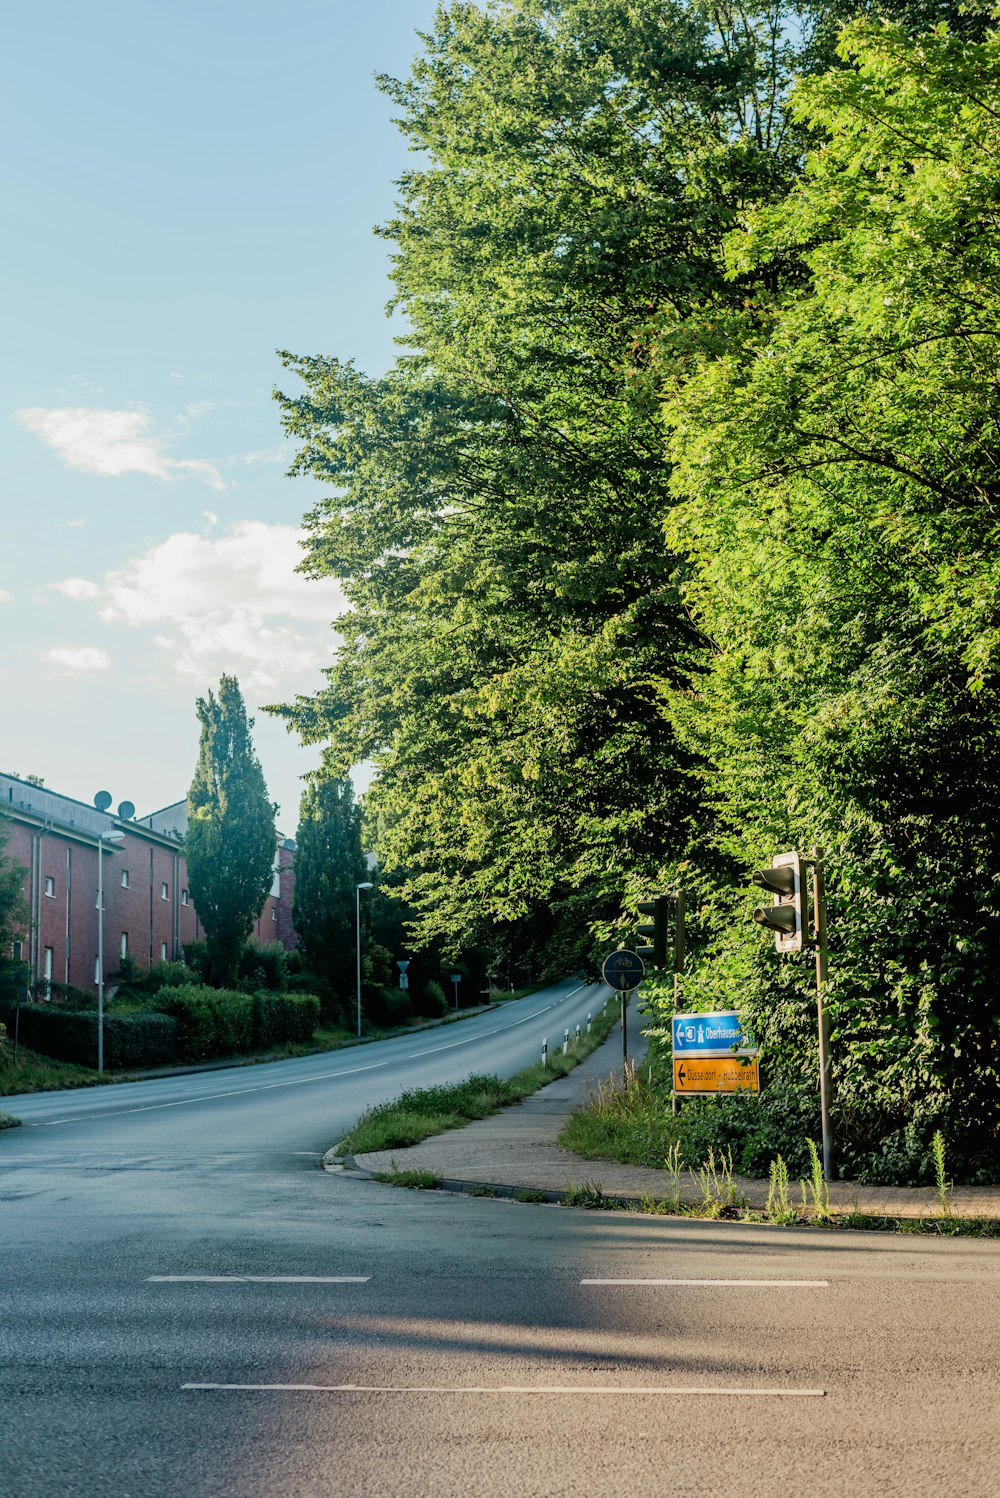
x,y
526,1194
8,1121
414,1180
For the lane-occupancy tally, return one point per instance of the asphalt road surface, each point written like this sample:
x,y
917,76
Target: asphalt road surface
x,y
189,1305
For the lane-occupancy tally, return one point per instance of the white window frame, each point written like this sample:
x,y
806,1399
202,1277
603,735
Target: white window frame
x,y
185,897
164,890
123,945
47,960
163,951
124,878
50,887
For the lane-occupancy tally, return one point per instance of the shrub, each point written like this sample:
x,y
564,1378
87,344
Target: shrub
x,y
196,958
263,966
279,1018
429,1001
210,1021
333,1009
130,1040
385,1007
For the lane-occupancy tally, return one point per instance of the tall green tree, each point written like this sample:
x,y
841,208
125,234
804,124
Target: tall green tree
x,y
329,865
231,837
838,458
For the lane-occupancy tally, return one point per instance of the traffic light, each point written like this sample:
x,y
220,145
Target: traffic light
x,y
661,908
786,915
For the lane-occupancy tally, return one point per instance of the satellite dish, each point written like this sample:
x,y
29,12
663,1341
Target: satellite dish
x,y
102,800
125,810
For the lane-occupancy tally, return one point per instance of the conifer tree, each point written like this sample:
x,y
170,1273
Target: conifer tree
x,y
329,864
230,838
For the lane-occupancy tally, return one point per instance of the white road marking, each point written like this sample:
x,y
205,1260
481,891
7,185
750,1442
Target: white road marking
x,y
208,1097
631,1392
257,1279
742,1284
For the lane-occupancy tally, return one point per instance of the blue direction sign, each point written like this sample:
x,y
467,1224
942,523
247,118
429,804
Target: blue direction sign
x,y
623,970
719,1033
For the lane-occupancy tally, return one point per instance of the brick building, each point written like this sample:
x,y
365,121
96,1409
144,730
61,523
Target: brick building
x,y
148,913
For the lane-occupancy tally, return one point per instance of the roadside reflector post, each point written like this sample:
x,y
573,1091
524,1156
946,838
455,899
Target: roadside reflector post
x,y
566,1041
545,1051
577,1035
589,1018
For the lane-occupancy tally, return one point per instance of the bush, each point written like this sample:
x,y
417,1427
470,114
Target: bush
x,y
130,1040
210,1021
385,1007
263,966
133,982
333,1009
196,958
279,1018
429,1002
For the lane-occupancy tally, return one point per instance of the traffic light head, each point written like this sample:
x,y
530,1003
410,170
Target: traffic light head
x,y
661,910
785,916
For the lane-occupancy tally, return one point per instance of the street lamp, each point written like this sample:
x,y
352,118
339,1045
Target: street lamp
x,y
357,899
102,838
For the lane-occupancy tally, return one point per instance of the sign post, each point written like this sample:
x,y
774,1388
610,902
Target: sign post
x,y
624,971
404,981
456,979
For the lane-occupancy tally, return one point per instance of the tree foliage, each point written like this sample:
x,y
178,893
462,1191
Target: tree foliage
x,y
230,838
329,865
669,539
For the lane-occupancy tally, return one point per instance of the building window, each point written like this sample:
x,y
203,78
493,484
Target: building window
x,y
16,950
163,951
164,892
274,914
50,886
184,897
124,878
47,972
99,904
123,945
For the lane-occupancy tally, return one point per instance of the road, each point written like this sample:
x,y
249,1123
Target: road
x,y
191,1306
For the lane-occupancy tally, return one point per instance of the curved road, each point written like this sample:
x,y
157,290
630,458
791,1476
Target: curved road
x,y
191,1308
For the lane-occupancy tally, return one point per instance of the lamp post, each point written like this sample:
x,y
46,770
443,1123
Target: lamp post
x,y
357,899
102,838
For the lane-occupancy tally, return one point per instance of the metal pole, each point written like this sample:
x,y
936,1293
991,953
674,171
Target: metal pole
x,y
626,995
825,1059
100,952
357,913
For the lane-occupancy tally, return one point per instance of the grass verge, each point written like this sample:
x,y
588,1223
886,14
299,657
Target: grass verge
x,y
424,1111
8,1121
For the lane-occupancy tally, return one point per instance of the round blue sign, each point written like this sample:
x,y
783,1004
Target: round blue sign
x,y
623,970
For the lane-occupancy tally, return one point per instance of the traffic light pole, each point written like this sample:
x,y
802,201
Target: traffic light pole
x,y
825,1066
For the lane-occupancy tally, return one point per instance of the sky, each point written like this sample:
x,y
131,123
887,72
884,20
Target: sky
x,y
191,187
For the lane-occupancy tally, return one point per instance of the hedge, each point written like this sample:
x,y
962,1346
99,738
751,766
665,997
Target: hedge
x,y
130,1040
282,1017
222,1022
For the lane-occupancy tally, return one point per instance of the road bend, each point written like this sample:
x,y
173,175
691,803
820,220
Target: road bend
x,y
190,1306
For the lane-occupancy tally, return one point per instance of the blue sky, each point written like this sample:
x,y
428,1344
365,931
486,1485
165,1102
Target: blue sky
x,y
191,187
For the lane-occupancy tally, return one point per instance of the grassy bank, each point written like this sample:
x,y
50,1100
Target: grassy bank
x,y
425,1111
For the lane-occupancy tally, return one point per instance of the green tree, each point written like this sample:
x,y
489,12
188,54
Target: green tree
x,y
230,838
838,459
329,865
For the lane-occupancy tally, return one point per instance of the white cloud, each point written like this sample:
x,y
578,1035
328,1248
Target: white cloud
x,y
270,455
6,597
77,588
78,658
229,603
110,443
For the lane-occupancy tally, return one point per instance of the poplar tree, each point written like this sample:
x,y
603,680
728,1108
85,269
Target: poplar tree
x,y
230,838
329,865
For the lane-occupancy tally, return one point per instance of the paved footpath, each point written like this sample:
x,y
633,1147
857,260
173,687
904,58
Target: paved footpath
x,y
518,1149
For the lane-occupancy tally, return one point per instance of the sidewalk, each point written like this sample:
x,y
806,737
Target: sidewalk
x,y
517,1149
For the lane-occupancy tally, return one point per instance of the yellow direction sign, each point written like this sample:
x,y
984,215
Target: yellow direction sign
x,y
716,1074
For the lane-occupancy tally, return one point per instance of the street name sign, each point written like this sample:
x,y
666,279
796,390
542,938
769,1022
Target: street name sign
x,y
719,1033
623,970
711,1074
